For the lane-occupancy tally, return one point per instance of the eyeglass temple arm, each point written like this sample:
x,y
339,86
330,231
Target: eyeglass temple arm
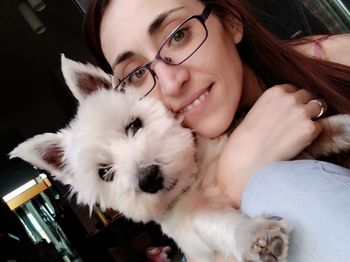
x,y
206,12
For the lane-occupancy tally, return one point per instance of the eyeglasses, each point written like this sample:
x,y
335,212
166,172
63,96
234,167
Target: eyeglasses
x,y
179,46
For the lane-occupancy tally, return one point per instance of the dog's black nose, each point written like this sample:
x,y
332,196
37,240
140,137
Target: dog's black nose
x,y
151,179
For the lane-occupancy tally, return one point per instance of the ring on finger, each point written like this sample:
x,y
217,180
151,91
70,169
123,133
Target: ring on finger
x,y
323,107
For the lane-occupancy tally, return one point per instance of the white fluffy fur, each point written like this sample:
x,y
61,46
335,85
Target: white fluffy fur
x,y
97,136
190,207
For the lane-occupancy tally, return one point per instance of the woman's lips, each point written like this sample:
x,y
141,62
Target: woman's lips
x,y
196,103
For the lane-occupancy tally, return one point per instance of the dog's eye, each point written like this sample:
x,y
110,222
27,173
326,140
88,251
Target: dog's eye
x,y
106,173
134,126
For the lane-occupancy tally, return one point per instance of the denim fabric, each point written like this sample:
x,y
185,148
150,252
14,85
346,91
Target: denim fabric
x,y
314,197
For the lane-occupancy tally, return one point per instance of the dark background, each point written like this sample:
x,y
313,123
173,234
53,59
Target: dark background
x,y
33,96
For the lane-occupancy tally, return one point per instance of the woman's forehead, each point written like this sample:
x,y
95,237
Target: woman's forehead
x,y
128,22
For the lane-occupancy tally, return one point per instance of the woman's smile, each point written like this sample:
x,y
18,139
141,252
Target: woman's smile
x,y
196,103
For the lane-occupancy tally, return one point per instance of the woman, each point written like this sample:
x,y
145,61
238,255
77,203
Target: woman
x,y
219,63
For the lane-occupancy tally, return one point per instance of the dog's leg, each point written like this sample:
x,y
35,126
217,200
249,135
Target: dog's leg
x,y
232,234
334,138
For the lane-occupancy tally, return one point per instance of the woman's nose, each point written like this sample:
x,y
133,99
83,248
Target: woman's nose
x,y
170,78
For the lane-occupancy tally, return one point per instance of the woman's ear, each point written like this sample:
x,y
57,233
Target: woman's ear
x,y
238,32
236,29
232,23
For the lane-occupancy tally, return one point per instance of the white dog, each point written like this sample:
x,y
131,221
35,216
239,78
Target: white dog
x,y
131,155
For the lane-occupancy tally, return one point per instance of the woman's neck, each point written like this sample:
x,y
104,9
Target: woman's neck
x,y
252,88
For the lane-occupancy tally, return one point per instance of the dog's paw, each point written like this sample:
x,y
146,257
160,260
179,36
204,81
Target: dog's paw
x,y
268,241
340,126
335,136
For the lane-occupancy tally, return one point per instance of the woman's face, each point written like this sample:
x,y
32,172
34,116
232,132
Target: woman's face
x,y
206,89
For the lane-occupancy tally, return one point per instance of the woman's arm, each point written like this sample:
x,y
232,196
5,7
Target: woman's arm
x,y
336,48
278,127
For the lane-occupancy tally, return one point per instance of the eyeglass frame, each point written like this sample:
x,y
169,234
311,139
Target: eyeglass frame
x,y
201,18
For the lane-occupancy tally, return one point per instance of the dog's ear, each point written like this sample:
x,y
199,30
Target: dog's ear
x,y
84,79
44,151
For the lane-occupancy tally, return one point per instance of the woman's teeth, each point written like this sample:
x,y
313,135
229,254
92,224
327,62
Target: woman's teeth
x,y
196,102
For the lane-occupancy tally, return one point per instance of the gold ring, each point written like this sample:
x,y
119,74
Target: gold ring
x,y
322,105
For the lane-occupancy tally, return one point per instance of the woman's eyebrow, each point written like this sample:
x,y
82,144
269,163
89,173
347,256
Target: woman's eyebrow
x,y
152,29
157,23
122,57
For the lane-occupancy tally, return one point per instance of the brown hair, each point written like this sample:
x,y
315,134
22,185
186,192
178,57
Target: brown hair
x,y
274,60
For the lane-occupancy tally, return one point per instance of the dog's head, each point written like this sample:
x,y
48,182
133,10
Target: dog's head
x,y
119,151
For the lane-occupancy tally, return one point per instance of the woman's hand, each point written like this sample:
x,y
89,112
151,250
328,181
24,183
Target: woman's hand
x,y
278,127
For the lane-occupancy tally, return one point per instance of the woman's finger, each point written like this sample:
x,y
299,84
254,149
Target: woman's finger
x,y
316,108
289,88
304,96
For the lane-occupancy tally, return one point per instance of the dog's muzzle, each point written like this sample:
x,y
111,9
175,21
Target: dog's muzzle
x,y
151,179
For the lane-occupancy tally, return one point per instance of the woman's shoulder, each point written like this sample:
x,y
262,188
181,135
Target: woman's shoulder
x,y
335,48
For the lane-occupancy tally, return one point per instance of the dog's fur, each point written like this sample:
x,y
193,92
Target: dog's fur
x,y
131,155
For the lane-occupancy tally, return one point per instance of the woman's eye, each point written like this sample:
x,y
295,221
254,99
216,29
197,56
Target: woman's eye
x,y
136,77
106,173
178,37
134,126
